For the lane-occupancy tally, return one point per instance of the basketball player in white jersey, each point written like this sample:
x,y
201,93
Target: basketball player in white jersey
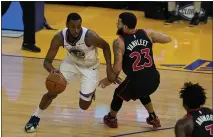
x,y
82,58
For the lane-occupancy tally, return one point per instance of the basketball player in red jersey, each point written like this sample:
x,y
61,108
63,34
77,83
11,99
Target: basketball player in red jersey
x,y
81,59
133,54
199,120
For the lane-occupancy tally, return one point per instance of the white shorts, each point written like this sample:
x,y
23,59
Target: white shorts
x,y
89,79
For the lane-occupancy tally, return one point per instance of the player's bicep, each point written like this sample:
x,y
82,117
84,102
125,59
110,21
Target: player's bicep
x,y
56,42
93,39
158,37
118,49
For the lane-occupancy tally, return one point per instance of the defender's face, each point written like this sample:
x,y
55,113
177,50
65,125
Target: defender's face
x,y
74,27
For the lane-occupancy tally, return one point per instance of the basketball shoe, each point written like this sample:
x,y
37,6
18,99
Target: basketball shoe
x,y
110,121
32,124
154,121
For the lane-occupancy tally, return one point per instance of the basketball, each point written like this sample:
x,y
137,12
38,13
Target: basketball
x,y
56,83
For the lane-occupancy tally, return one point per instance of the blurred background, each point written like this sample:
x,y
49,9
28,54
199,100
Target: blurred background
x,y
177,19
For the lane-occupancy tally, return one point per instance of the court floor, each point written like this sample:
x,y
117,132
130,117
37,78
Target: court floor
x,y
23,78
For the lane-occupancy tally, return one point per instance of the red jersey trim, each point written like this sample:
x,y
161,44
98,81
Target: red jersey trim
x,y
121,37
196,109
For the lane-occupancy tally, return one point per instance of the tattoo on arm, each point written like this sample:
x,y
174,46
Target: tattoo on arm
x,y
117,57
117,51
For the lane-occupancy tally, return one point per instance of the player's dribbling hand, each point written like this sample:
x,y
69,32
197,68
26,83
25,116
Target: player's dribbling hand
x,y
55,71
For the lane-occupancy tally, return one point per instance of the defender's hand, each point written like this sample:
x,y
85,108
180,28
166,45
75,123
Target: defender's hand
x,y
104,83
111,75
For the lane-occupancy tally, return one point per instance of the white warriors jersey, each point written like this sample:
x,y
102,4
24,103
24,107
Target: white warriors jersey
x,y
80,53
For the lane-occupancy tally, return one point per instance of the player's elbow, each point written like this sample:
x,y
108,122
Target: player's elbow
x,y
46,63
168,40
162,40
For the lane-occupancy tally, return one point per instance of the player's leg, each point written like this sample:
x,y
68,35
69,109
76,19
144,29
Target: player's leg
x,y
120,94
29,19
69,73
89,82
148,88
111,118
172,16
152,119
196,19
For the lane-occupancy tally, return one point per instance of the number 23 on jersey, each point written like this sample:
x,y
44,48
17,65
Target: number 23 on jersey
x,y
145,52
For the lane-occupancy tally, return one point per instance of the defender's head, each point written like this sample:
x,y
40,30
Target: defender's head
x,y
126,22
73,23
193,96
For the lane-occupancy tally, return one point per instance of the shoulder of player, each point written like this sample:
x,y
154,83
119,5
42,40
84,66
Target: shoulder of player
x,y
119,40
58,39
92,38
90,34
118,43
185,125
184,122
149,32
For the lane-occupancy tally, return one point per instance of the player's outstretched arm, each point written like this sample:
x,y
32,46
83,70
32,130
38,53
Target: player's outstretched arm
x,y
158,37
184,127
118,49
92,38
56,42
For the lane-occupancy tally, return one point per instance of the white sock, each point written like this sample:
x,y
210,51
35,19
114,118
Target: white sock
x,y
38,112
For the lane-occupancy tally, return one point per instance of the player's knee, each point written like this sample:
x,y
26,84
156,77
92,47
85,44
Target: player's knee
x,y
86,100
84,107
116,103
145,100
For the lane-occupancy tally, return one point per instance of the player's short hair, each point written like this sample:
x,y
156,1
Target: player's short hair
x,y
128,19
73,16
193,95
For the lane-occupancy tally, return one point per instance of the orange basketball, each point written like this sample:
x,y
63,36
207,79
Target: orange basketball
x,y
56,83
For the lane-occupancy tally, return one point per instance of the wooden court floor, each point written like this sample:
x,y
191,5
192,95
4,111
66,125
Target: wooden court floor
x,y
23,85
23,78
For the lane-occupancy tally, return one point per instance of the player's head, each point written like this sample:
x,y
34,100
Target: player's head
x,y
73,23
193,96
126,21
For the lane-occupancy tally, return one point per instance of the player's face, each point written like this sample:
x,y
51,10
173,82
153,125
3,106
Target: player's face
x,y
74,27
120,27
